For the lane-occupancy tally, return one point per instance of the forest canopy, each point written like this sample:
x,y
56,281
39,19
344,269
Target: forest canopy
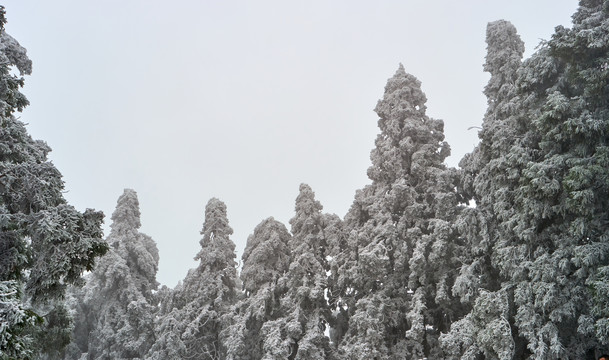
x,y
504,257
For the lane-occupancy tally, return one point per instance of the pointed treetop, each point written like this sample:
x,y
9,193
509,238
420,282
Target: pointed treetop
x,y
502,39
400,70
306,207
217,249
403,97
127,213
305,201
405,131
216,219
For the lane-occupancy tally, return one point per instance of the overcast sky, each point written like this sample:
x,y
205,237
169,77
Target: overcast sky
x,y
243,100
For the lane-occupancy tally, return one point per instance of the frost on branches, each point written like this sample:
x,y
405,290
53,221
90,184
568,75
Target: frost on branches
x,y
401,235
490,176
193,322
505,258
45,244
256,324
541,191
117,304
308,313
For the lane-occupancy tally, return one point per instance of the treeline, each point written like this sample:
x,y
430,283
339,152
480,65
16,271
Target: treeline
x,y
506,257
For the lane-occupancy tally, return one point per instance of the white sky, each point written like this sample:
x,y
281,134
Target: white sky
x,y
243,100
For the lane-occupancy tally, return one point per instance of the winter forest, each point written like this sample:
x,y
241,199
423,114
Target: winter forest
x,y
504,257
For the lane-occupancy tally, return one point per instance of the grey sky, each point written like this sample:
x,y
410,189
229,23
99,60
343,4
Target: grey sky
x,y
243,100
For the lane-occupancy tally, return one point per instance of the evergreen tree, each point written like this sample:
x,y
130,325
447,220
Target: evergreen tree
x,y
118,297
169,326
45,244
258,317
549,234
400,235
308,313
563,202
338,259
491,175
193,321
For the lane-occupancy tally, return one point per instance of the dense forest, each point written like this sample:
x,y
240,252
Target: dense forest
x,y
505,257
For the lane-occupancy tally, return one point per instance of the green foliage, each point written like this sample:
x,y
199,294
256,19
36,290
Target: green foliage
x,y
45,243
521,273
539,178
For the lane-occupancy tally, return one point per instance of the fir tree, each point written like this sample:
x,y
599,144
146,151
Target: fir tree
x,y
45,244
193,322
118,298
308,313
257,318
548,240
563,202
400,234
491,175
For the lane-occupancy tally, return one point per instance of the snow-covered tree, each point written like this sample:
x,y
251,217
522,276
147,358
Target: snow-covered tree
x,y
192,324
256,319
266,256
118,298
396,285
548,238
563,199
286,312
45,244
490,177
339,258
307,310
485,331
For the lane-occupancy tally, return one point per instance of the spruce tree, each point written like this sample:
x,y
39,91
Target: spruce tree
x,y
397,284
193,322
338,258
256,324
549,235
45,244
490,177
308,313
563,202
118,298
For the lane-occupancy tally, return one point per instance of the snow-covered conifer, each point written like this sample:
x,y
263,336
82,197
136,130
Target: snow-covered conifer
x,y
255,321
118,296
266,256
45,244
192,325
400,234
563,200
546,192
490,177
307,311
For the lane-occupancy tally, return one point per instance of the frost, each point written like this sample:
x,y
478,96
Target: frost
x,y
117,303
